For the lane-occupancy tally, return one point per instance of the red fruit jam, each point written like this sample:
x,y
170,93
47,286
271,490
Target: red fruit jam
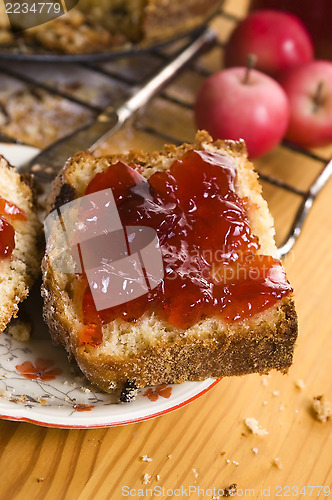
x,y
210,256
10,211
7,238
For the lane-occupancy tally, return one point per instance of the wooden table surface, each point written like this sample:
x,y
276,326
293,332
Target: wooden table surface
x,y
206,444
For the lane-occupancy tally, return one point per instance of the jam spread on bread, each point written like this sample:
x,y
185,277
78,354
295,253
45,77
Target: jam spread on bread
x,y
211,257
9,212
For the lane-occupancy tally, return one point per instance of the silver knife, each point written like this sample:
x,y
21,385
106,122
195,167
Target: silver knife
x,y
48,163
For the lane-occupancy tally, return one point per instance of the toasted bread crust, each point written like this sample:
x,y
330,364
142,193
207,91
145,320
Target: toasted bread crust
x,y
255,350
212,348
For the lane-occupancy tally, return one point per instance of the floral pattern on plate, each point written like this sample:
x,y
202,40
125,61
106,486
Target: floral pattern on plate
x,y
39,385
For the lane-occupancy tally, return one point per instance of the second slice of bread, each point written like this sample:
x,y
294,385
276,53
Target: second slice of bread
x,y
19,271
151,351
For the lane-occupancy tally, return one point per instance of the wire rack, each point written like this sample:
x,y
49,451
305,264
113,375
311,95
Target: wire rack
x,y
107,83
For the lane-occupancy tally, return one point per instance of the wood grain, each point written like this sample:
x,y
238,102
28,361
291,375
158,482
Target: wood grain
x,y
209,434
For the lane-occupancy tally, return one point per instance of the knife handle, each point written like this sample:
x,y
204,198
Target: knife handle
x,y
48,163
142,95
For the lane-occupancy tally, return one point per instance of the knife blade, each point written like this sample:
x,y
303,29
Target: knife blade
x,y
48,163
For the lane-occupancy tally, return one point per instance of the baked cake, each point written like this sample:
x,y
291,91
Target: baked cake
x,y
102,25
36,117
224,306
20,232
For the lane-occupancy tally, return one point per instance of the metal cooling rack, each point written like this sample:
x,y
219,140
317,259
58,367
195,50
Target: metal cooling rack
x,y
125,74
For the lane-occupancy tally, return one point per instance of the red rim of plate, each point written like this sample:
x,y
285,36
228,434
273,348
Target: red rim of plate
x,y
112,424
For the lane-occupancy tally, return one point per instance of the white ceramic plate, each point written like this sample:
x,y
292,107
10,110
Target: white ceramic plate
x,y
38,384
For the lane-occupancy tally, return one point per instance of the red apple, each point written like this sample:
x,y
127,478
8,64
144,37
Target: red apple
x,y
309,91
278,39
315,14
237,103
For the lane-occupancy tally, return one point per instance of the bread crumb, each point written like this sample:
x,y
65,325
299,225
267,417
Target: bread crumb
x,y
228,461
254,427
264,380
169,456
5,394
281,408
195,473
129,392
230,491
322,408
277,463
299,384
223,453
265,403
86,390
146,458
276,393
255,450
40,479
235,462
157,477
42,401
146,479
19,330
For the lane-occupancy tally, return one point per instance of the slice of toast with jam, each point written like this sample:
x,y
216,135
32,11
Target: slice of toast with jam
x,y
223,305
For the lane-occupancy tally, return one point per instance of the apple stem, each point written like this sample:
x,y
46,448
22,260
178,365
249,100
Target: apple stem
x,y
318,97
251,62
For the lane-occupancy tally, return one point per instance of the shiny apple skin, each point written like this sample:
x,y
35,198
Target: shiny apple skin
x,y
279,40
310,123
256,111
